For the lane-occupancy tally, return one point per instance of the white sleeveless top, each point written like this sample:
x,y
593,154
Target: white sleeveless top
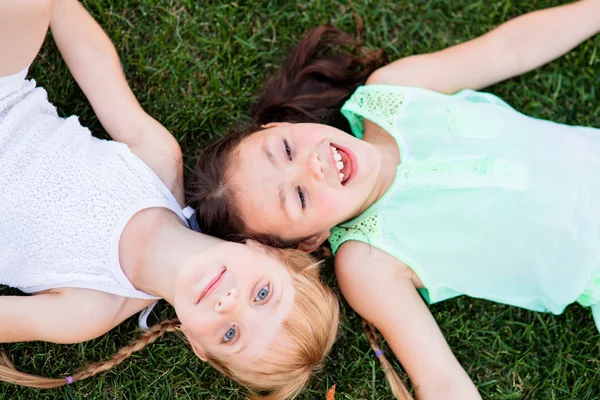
x,y
65,197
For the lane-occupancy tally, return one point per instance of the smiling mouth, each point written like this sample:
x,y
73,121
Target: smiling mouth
x,y
211,286
344,164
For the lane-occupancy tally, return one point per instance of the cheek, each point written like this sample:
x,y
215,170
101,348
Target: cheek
x,y
242,269
369,163
328,201
310,136
201,325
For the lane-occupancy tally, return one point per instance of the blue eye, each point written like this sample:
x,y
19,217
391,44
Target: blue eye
x,y
230,334
288,152
262,293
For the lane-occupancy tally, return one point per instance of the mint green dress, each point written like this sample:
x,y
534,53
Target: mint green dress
x,y
487,202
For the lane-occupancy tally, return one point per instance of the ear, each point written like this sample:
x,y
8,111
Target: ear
x,y
199,352
255,244
195,346
314,242
259,246
273,125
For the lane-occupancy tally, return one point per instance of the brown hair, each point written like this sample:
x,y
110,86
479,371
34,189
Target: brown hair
x,y
306,338
316,78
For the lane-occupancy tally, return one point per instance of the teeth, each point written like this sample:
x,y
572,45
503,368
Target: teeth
x,y
339,163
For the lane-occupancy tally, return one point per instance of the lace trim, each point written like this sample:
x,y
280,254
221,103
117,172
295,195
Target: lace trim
x,y
378,105
367,230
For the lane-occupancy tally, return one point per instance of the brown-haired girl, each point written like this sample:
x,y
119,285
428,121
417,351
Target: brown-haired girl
x,y
442,191
95,229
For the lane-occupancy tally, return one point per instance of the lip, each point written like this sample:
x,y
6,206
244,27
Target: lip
x,y
350,156
211,286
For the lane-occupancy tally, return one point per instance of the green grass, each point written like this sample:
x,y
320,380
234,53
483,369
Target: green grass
x,y
196,65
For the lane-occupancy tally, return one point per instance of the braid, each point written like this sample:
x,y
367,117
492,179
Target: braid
x,y
145,339
8,373
397,387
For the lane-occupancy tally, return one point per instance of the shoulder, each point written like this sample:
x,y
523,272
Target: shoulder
x,y
369,278
356,258
351,249
415,70
158,149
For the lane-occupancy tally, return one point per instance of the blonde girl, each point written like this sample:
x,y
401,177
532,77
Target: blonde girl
x,y
95,230
442,191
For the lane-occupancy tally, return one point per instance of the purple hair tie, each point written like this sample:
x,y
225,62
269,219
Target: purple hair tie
x,y
69,379
378,353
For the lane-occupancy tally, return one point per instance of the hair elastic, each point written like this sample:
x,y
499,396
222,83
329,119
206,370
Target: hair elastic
x,y
69,379
379,353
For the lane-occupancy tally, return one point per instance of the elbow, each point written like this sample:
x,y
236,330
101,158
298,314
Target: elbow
x,y
408,71
379,76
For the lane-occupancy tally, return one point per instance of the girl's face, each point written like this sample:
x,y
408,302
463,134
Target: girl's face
x,y
297,181
232,301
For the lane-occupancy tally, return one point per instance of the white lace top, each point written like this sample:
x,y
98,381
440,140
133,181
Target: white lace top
x,y
65,197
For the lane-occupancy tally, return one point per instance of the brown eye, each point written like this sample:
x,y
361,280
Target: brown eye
x,y
288,152
301,197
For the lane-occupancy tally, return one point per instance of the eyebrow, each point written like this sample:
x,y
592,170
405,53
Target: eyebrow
x,y
282,195
243,347
282,200
269,154
278,299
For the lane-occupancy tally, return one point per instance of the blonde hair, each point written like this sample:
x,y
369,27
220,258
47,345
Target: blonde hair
x,y
311,328
396,386
309,332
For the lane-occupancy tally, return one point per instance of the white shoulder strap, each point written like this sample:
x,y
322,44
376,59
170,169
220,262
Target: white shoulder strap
x,y
143,318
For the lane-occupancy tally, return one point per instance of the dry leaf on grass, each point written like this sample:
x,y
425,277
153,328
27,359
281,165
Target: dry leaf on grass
x,y
330,393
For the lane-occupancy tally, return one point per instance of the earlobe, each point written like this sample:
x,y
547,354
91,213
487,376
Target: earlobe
x,y
199,352
314,242
257,245
254,243
197,349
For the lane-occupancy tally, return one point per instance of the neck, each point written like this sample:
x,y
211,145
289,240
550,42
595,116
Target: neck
x,y
154,246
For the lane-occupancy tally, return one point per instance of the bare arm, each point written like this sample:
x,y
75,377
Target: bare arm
x,y
67,316
95,65
23,27
379,288
513,48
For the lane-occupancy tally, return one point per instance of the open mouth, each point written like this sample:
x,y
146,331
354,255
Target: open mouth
x,y
344,163
211,286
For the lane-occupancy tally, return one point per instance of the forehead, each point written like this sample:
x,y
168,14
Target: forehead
x,y
256,140
297,132
257,184
251,258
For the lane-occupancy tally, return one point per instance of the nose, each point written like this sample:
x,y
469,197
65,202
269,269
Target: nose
x,y
314,167
227,301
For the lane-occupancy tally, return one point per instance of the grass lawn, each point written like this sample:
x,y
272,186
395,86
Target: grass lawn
x,y
196,66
